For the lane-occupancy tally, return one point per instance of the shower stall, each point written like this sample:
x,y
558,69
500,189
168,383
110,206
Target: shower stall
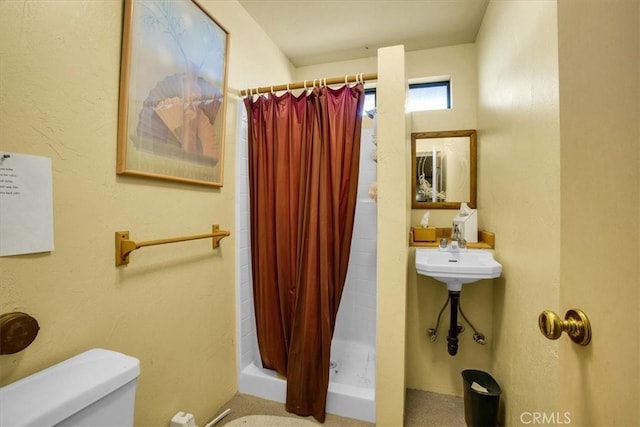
x,y
353,358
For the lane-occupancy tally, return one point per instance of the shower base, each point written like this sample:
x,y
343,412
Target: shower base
x,y
351,381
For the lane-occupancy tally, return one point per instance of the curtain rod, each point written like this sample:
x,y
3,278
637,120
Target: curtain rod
x,y
310,83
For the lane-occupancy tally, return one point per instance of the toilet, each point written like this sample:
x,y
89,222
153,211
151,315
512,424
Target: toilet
x,y
95,388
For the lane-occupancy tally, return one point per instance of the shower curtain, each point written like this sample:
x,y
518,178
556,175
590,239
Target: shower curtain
x,y
303,176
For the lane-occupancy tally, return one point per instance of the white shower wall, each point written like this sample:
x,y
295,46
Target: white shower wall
x,y
356,320
247,340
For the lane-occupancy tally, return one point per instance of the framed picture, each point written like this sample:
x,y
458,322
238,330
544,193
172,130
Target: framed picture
x,y
173,90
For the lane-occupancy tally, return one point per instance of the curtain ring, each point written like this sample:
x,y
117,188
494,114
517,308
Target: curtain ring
x,y
288,87
305,85
325,82
346,79
272,89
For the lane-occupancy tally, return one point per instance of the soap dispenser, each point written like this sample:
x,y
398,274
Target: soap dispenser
x,y
467,223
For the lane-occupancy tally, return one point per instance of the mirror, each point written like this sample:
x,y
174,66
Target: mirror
x,y
452,156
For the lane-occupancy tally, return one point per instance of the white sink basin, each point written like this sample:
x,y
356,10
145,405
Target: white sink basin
x,y
457,267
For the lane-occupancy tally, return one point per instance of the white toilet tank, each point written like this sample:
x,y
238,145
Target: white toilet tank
x,y
96,388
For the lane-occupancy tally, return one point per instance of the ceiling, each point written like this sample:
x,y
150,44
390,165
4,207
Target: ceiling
x,y
320,31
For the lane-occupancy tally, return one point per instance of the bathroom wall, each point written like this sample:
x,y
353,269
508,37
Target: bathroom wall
x,y
459,65
393,224
559,109
519,193
173,307
247,338
356,318
429,365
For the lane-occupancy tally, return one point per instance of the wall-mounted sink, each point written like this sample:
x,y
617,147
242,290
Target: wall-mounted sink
x,y
457,267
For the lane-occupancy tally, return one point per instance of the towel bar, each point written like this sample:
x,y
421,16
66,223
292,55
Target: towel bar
x,y
124,246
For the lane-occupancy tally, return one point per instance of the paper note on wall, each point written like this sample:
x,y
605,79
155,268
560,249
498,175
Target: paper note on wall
x,y
26,204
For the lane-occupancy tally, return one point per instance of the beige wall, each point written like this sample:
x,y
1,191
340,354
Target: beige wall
x,y
429,365
459,64
336,69
519,192
393,218
173,307
568,98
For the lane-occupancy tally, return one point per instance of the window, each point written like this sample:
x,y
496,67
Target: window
x,y
430,96
369,101
422,96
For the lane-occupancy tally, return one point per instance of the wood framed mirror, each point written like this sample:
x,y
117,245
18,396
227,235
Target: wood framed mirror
x,y
448,160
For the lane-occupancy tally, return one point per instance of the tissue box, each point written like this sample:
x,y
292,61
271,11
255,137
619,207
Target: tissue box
x,y
422,234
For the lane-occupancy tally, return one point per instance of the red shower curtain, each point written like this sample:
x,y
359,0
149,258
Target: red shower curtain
x,y
304,155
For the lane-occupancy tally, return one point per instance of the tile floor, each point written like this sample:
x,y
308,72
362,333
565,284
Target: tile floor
x,y
422,409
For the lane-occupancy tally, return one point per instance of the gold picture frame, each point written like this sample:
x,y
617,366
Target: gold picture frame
x,y
173,92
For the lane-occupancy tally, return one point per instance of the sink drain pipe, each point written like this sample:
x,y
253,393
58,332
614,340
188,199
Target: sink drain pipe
x,y
452,337
432,333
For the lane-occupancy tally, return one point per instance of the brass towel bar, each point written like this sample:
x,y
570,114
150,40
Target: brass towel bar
x,y
124,246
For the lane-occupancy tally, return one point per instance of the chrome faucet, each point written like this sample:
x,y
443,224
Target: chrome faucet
x,y
456,234
457,241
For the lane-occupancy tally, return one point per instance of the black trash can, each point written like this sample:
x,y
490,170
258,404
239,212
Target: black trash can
x,y
480,406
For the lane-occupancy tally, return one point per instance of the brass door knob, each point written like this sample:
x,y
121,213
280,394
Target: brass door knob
x,y
575,324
